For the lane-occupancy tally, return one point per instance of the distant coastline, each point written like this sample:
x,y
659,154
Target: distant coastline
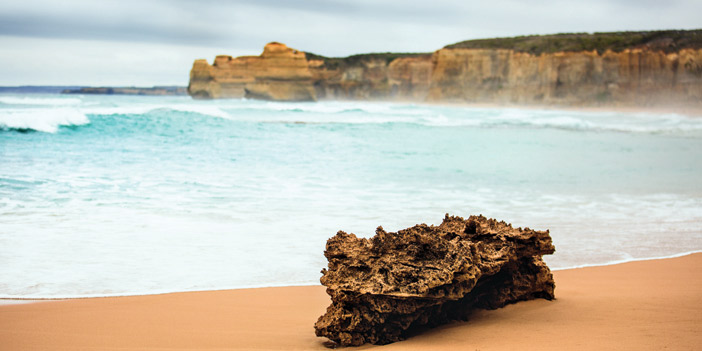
x,y
156,90
159,90
619,69
37,89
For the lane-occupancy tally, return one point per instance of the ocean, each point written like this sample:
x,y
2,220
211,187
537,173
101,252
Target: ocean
x,y
122,195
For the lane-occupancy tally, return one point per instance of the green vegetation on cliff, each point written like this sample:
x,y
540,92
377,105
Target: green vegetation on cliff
x,y
665,40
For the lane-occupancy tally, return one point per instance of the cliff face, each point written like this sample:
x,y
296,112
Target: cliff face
x,y
284,74
631,77
279,73
371,78
633,68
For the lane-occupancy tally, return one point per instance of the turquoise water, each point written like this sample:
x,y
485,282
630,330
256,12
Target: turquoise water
x,y
114,195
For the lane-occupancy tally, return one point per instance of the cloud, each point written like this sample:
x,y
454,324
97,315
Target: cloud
x,y
246,22
327,27
50,61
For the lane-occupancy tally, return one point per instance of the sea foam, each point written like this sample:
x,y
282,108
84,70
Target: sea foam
x,y
42,120
13,100
333,112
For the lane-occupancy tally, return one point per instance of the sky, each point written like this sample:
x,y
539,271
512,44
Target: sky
x,y
154,42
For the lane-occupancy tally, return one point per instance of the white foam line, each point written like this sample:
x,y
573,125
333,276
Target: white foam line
x,y
152,292
610,263
30,299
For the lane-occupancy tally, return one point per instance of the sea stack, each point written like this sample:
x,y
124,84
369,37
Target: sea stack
x,y
385,287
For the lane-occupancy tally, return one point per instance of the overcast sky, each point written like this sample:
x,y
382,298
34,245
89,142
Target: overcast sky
x,y
154,42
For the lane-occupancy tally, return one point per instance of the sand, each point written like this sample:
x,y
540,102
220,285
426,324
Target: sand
x,y
646,305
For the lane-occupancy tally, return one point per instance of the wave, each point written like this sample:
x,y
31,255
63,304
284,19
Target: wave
x,y
570,120
451,116
41,120
330,108
11,100
342,112
212,111
269,112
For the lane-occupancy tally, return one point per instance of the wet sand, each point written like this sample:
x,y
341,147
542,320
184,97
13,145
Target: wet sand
x,y
645,305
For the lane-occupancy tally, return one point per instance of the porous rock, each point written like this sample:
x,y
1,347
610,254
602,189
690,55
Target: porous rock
x,y
385,288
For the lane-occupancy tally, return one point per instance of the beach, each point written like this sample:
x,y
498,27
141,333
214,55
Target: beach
x,y
643,305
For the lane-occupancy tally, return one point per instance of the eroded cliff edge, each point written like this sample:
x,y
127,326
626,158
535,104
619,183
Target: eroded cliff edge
x,y
618,69
279,73
285,74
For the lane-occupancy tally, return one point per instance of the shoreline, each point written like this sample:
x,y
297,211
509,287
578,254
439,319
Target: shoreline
x,y
19,300
650,304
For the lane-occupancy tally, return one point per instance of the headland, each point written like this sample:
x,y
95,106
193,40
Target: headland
x,y
622,69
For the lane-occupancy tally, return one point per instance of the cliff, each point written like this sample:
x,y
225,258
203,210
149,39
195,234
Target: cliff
x,y
285,74
632,77
384,76
630,68
279,73
627,68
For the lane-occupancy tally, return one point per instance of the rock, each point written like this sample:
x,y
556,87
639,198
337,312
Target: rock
x,y
662,68
410,77
373,77
637,76
279,73
284,74
386,287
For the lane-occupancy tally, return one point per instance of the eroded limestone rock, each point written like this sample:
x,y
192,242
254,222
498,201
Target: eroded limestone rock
x,y
634,77
280,73
663,70
385,287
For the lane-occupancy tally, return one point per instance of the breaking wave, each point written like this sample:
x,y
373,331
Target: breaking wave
x,y
48,113
573,121
205,110
13,100
41,120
